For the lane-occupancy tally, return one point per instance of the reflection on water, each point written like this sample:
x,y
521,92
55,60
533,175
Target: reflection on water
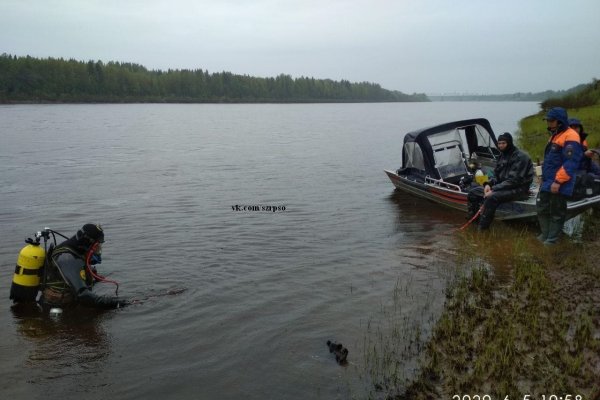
x,y
492,249
425,213
69,347
430,228
496,248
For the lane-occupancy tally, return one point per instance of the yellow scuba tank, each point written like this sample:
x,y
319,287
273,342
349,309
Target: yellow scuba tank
x,y
26,279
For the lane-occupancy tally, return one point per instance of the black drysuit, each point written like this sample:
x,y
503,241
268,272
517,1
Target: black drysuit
x,y
68,281
513,176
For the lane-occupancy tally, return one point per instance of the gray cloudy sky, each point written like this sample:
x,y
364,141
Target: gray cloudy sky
x,y
432,46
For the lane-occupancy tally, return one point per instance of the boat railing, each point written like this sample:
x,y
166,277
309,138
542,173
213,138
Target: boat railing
x,y
441,183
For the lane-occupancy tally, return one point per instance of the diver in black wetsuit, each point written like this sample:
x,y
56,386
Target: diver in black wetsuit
x,y
70,275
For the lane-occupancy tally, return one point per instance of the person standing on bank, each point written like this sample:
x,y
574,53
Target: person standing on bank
x,y
562,157
513,177
587,164
70,276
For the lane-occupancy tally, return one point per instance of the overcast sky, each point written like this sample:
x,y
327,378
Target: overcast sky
x,y
430,46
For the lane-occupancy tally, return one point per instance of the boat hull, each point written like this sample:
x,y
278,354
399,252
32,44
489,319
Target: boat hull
x,y
452,197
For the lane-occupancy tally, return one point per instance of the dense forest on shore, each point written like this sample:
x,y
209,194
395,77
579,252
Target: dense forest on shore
x,y
586,95
29,79
519,96
547,95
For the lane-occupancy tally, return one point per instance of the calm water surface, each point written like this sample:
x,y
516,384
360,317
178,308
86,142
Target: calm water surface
x,y
238,304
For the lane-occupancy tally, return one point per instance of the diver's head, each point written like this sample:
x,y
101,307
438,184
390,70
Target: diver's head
x,y
505,142
90,234
90,238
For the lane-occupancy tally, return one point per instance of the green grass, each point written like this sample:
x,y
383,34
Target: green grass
x,y
532,335
533,135
391,339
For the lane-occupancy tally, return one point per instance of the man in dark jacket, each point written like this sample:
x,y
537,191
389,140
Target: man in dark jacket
x,y
587,164
562,158
69,278
513,176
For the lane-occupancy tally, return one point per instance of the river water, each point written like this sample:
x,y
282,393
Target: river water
x,y
235,303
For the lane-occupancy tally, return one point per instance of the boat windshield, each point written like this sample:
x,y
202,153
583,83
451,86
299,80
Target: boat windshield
x,y
448,154
478,141
414,156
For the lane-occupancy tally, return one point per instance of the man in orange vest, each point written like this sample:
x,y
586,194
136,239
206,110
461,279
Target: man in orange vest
x,y
562,157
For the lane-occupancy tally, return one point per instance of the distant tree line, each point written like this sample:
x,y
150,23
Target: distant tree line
x,y
519,96
29,79
585,95
492,97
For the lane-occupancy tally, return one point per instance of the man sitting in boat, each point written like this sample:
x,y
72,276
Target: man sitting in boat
x,y
513,176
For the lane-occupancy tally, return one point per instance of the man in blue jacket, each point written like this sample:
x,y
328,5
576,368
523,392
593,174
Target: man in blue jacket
x,y
562,157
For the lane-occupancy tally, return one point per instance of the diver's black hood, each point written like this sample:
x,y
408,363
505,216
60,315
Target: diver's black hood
x,y
77,245
507,137
84,238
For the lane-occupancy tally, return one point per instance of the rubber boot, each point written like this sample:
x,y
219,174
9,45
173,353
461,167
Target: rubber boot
x,y
554,230
472,209
544,221
474,201
486,218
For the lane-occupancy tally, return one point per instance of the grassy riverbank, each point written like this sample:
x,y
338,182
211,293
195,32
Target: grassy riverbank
x,y
533,135
536,332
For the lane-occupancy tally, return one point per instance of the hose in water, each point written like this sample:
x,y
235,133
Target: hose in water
x,y
97,277
477,214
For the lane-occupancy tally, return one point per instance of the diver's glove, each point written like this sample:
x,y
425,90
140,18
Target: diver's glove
x,y
90,299
123,303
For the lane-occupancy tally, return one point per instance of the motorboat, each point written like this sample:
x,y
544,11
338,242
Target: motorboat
x,y
439,163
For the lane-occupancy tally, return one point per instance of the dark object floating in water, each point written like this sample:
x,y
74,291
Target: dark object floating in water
x,y
174,291
341,353
168,292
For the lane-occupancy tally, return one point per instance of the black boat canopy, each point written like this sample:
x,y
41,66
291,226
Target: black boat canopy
x,y
441,151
